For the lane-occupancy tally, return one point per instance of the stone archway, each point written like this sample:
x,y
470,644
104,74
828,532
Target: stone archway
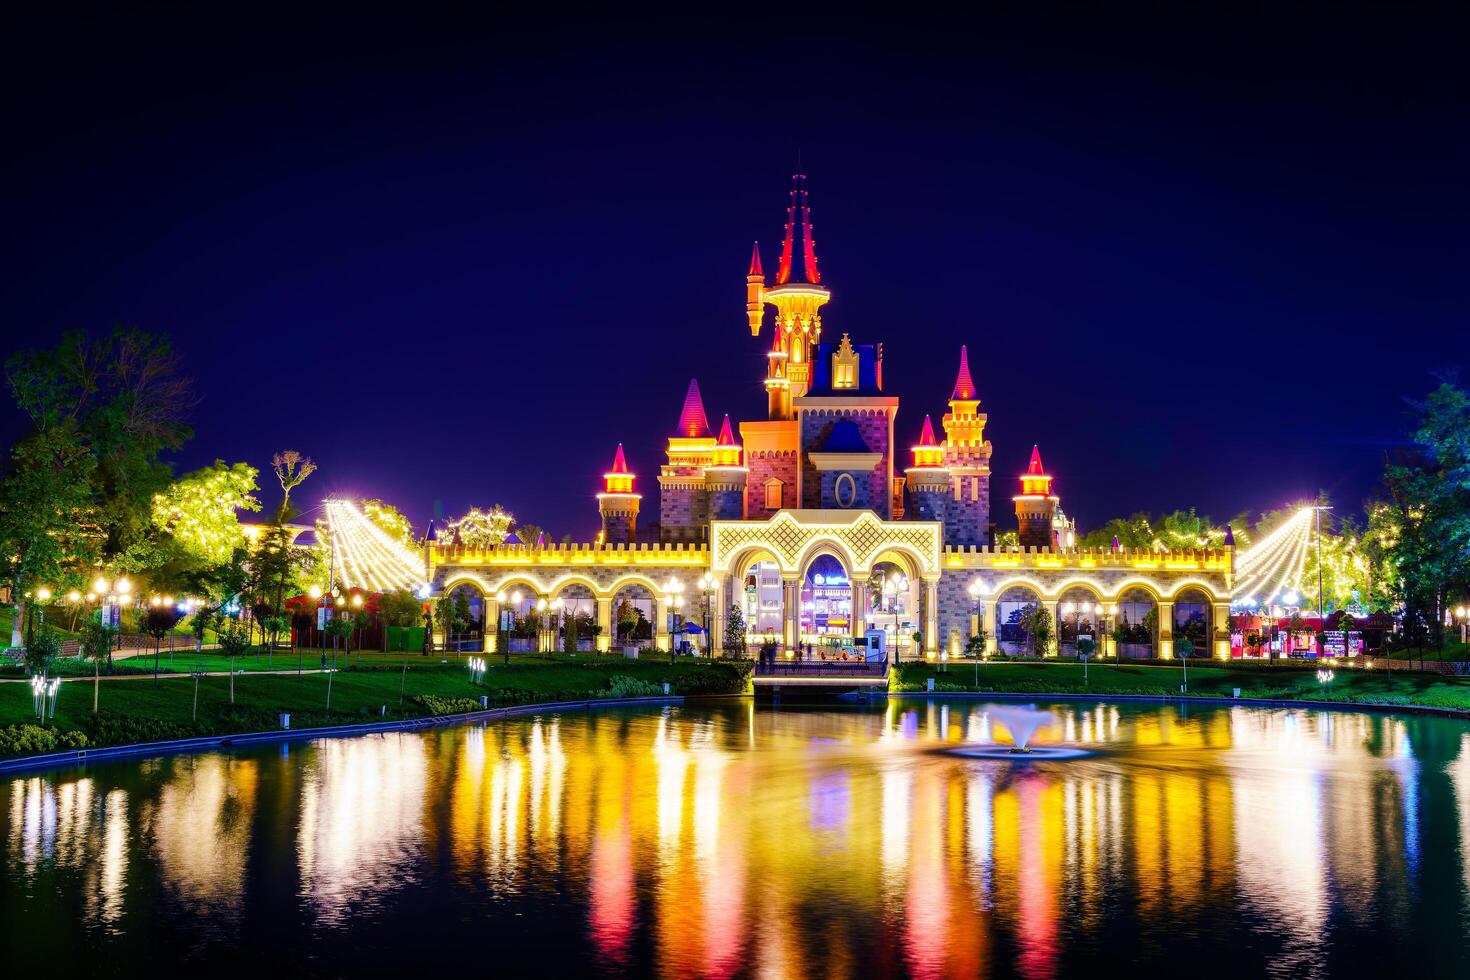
x,y
1136,621
634,613
1013,606
1079,612
825,595
573,611
464,610
1193,621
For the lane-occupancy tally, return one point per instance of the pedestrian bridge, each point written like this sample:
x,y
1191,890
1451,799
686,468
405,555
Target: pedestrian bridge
x,y
832,675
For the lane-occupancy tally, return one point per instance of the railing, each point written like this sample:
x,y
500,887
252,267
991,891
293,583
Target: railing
x,y
821,668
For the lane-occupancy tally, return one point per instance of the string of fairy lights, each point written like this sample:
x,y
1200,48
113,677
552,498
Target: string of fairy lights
x,y
1272,568
364,556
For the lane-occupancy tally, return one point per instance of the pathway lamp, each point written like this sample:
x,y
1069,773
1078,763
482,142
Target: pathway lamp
x,y
977,590
1461,613
893,586
541,619
707,588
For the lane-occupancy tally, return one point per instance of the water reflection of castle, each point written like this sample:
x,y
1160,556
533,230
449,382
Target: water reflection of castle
x,y
687,853
904,540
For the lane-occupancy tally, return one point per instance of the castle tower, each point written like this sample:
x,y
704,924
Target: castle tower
x,y
798,295
928,480
1036,506
967,458
724,480
683,503
618,503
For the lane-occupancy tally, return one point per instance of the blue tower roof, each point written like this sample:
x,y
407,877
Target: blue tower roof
x,y
845,438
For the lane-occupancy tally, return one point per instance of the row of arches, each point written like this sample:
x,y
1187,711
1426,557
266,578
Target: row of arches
x,y
1135,623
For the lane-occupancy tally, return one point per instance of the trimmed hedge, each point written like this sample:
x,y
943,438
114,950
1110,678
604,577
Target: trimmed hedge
x,y
33,739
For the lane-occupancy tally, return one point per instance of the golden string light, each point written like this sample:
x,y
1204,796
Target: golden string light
x,y
1274,565
366,557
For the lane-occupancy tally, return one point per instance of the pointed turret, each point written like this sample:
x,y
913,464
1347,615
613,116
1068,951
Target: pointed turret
x,y
431,534
964,387
1036,506
693,424
797,295
618,503
1229,536
928,453
755,291
727,450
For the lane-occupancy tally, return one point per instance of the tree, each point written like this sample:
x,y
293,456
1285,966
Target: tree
x,y
96,646
275,565
234,640
401,608
42,496
157,622
125,397
480,528
200,510
1036,624
390,521
976,644
529,534
42,650
735,630
291,469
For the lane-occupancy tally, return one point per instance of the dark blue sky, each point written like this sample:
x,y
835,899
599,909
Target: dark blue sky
x,y
1201,261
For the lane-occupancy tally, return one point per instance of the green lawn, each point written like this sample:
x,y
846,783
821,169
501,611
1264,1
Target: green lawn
x,y
187,661
1377,686
143,710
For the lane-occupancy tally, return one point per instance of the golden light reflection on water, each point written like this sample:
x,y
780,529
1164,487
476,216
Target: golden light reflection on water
x,y
792,842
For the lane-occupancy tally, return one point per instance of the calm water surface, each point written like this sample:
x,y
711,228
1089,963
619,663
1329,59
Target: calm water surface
x,y
744,840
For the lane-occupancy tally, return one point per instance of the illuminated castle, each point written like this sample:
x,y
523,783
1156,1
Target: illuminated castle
x,y
815,506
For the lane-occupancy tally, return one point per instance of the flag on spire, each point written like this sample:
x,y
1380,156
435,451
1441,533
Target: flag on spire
x,y
964,387
693,424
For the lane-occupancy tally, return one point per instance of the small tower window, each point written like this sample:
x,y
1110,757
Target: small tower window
x,y
845,365
773,494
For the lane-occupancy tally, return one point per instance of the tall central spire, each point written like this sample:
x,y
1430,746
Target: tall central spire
x,y
798,223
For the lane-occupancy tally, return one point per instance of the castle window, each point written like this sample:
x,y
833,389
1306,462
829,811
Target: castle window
x,y
773,494
845,490
845,365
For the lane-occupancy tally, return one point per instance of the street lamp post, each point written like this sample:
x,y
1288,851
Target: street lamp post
x,y
892,586
1321,615
707,588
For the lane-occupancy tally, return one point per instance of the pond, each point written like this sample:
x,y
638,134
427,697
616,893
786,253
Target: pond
x,y
739,839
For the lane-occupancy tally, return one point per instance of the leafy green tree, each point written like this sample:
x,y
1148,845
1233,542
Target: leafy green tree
x,y
126,398
157,622
529,534
42,649
976,644
401,608
1036,625
43,496
96,646
480,528
234,641
275,566
200,510
390,520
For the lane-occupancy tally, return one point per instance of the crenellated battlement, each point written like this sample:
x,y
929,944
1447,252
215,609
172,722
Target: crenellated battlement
x,y
570,554
1204,559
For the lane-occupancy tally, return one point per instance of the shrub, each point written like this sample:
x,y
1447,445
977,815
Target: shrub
x,y
623,686
445,706
727,678
32,739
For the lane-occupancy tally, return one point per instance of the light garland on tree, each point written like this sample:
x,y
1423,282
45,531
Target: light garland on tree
x,y
365,556
1273,567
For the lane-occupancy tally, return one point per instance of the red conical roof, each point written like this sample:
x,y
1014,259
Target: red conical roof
x,y
964,387
727,437
620,465
692,421
755,260
926,438
1034,467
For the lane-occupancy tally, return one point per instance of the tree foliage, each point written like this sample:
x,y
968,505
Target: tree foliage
x,y
390,520
480,528
291,469
200,510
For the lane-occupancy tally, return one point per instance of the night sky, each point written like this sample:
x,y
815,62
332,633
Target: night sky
x,y
1200,262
